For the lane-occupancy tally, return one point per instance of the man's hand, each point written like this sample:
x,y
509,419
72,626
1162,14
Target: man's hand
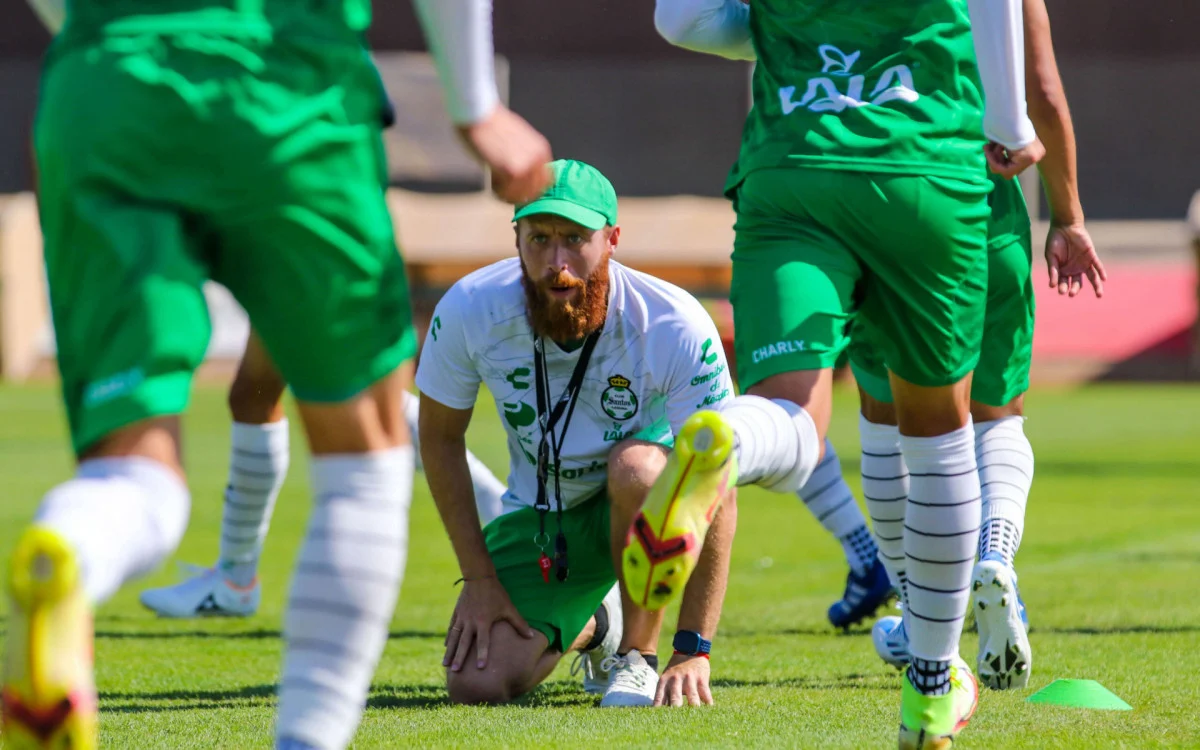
x,y
481,605
1070,255
518,155
686,679
1009,163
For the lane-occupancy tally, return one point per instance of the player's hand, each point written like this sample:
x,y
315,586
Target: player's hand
x,y
1070,255
685,683
482,604
1008,163
518,155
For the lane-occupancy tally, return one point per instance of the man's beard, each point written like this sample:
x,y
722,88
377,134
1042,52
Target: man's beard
x,y
566,321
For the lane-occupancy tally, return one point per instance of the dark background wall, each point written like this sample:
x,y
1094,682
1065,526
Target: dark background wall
x,y
595,77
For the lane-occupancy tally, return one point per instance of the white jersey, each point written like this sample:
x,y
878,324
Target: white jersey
x,y
658,361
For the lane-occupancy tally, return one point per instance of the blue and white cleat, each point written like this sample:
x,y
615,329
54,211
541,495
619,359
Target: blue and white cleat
x,y
891,641
862,597
1005,656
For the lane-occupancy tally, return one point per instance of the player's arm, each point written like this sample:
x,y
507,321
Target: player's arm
x,y
1070,253
449,383
459,34
52,13
998,34
716,27
699,379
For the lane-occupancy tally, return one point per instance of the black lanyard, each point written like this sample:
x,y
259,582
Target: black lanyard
x,y
547,446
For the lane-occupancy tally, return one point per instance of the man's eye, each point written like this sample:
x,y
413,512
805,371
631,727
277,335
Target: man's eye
x,y
575,239
538,238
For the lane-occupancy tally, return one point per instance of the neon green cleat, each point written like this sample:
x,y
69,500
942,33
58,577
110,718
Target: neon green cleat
x,y
931,722
664,543
49,698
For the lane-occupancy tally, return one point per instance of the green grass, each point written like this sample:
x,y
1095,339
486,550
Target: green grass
x,y
1112,545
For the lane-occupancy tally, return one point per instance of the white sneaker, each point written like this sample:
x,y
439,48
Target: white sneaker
x,y
633,681
1005,657
891,641
205,594
591,663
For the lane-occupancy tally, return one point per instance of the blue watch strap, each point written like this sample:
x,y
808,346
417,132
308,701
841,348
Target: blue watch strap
x,y
691,643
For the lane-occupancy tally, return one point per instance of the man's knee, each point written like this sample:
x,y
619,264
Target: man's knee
x,y
486,686
633,466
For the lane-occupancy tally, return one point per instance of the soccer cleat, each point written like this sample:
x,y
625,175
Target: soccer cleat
x,y
862,597
591,663
206,594
49,695
931,722
633,682
1005,657
891,641
664,542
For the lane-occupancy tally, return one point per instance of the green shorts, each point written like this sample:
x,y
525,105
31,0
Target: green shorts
x,y
817,249
559,609
166,161
1007,346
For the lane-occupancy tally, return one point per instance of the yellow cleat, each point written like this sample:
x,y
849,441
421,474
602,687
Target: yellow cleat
x,y
49,696
932,722
666,537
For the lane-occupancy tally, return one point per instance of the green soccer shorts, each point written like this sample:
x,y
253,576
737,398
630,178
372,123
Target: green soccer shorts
x,y
1007,344
817,249
558,609
165,161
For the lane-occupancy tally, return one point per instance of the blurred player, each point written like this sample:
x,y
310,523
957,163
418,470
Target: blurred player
x,y
258,464
593,368
1003,453
860,197
238,142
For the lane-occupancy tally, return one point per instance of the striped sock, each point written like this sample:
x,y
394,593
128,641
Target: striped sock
x,y
1005,460
829,499
343,594
941,530
258,464
885,489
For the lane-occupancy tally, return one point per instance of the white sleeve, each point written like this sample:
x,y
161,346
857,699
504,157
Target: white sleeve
x,y
52,13
446,372
718,27
998,32
459,35
699,375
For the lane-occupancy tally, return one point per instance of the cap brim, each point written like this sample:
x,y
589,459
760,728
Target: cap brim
x,y
585,217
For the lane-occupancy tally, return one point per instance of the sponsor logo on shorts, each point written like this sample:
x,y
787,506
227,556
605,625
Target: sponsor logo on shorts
x,y
824,93
121,384
774,350
617,400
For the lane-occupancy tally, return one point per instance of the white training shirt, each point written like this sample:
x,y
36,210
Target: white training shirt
x,y
658,361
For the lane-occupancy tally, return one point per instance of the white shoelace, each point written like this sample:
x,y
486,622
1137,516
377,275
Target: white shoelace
x,y
625,673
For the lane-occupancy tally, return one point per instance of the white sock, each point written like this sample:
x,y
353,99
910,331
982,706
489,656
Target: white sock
x,y
123,516
1005,460
258,464
829,499
343,593
777,442
885,489
941,529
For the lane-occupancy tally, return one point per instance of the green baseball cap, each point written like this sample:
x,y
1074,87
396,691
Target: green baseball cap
x,y
579,194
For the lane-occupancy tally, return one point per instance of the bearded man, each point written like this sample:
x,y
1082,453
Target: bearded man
x,y
594,368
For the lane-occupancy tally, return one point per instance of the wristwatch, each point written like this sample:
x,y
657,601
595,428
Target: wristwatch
x,y
691,643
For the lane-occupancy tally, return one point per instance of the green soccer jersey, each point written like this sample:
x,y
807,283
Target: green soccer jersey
x,y
333,19
867,85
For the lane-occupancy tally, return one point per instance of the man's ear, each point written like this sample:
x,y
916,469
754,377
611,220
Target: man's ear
x,y
614,237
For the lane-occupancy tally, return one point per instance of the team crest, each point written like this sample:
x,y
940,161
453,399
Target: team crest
x,y
618,401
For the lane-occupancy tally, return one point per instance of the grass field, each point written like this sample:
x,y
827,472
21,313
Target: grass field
x,y
1112,545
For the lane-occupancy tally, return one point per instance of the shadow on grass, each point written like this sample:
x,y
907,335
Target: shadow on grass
x,y
1119,630
260,634
558,693
883,680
